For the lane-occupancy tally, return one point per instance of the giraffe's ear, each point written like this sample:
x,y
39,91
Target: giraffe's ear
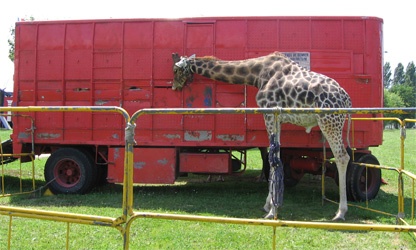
x,y
316,89
176,58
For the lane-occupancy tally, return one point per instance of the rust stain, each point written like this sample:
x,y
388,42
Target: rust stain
x,y
100,102
198,135
231,137
139,165
116,153
47,136
163,161
172,136
23,135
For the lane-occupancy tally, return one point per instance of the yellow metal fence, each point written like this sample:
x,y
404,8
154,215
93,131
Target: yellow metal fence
x,y
128,215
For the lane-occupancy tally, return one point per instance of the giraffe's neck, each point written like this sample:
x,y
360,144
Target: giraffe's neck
x,y
255,72
250,71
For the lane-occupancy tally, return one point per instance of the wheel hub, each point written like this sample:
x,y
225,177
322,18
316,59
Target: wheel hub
x,y
67,173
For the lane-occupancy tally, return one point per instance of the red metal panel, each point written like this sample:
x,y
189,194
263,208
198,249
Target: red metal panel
x,y
138,35
138,95
230,38
167,137
78,120
199,35
78,136
107,121
168,34
164,98
108,36
49,91
230,128
79,36
329,62
151,165
78,64
137,64
353,35
199,38
27,65
262,34
27,35
327,34
107,136
107,91
162,66
294,34
107,65
26,91
79,90
257,138
204,163
51,37
50,64
254,122
198,128
168,38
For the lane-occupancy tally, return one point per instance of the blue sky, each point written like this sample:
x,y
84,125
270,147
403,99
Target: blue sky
x,y
398,17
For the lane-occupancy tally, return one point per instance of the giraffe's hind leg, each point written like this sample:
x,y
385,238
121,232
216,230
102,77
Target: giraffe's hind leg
x,y
331,127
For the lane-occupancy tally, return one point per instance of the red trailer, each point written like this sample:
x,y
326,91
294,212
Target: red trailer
x,y
127,63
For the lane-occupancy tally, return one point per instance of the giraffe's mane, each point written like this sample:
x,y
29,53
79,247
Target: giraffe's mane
x,y
276,53
210,58
213,58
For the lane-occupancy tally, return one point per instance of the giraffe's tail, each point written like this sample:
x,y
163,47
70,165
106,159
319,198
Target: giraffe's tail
x,y
348,130
349,150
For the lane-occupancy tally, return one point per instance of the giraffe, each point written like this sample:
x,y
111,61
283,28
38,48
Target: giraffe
x,y
281,82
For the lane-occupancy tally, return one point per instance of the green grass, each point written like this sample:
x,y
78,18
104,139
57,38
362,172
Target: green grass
x,y
238,196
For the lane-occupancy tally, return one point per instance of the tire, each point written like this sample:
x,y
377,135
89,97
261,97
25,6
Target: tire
x,y
70,171
7,148
291,178
356,183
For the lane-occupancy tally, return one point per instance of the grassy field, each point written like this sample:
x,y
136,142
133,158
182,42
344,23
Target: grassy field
x,y
238,196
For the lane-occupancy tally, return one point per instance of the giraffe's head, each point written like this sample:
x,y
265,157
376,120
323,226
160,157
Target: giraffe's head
x,y
182,71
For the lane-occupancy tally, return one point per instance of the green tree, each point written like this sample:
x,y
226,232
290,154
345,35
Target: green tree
x,y
398,77
387,75
410,75
392,100
406,93
11,44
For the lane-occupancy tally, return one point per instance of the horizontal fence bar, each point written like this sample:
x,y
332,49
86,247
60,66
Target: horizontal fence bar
x,y
279,223
273,111
59,216
67,109
213,110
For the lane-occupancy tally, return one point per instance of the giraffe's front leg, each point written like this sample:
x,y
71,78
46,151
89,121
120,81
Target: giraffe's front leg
x,y
268,206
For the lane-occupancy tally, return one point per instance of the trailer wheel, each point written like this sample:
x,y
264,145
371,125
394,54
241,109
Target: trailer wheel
x,y
292,177
70,171
357,189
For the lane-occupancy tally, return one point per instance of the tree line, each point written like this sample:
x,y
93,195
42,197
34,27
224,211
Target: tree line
x,y
400,87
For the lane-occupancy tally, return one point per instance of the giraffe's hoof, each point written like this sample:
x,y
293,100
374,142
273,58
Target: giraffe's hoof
x,y
338,217
269,216
266,208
